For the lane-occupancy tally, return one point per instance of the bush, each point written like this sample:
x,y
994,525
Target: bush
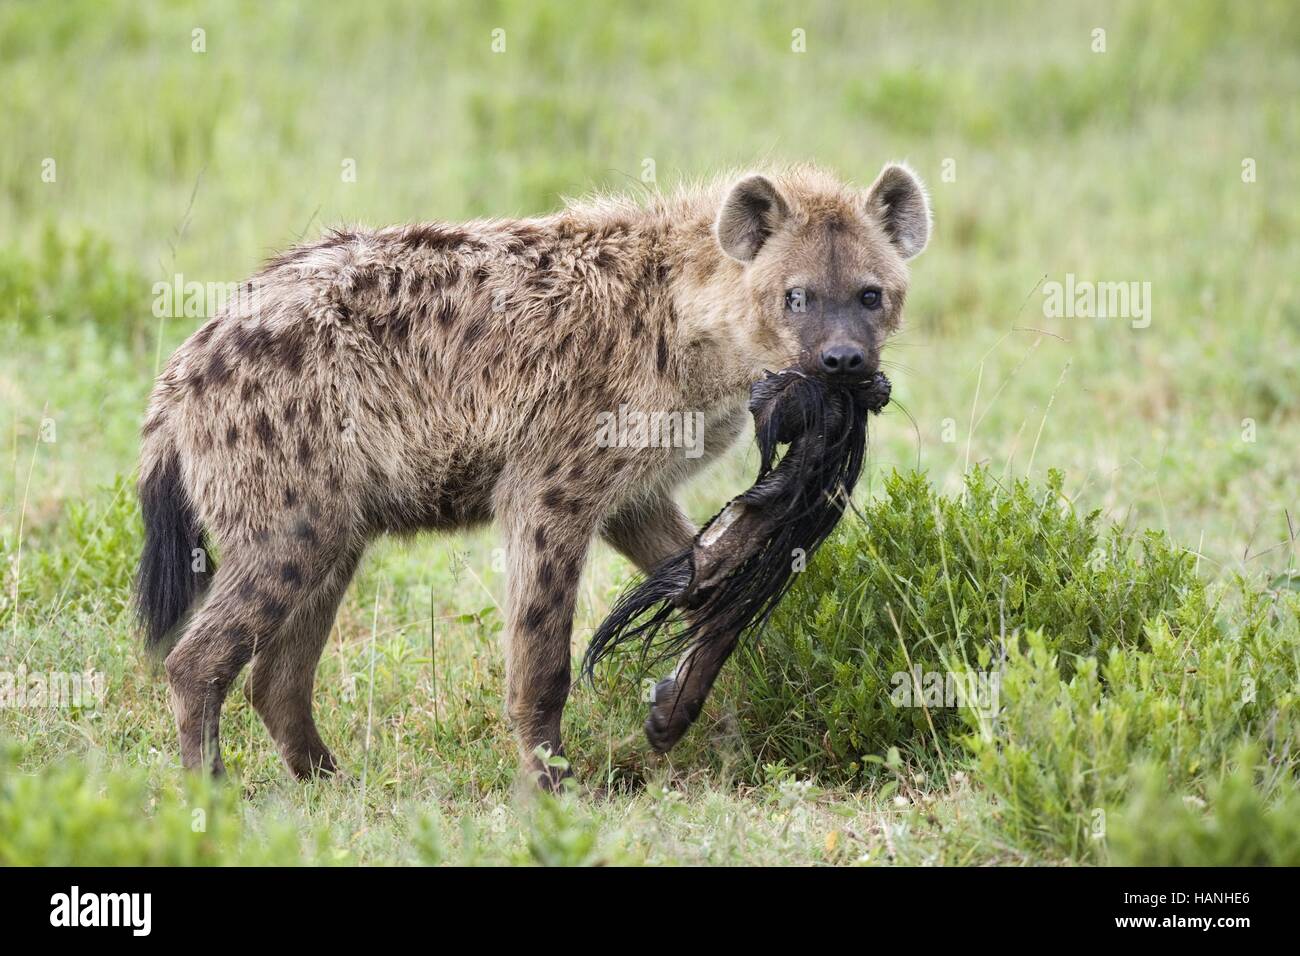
x,y
935,585
1058,757
72,815
1236,825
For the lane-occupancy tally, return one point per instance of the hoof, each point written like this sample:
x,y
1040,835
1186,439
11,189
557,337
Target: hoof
x,y
669,719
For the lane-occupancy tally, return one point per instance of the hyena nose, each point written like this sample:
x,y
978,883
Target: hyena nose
x,y
844,361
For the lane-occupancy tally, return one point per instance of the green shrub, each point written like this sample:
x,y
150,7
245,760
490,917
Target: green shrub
x,y
1237,824
940,584
1058,756
71,815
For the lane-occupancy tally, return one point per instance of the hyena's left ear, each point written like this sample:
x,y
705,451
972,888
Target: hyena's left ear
x,y
897,198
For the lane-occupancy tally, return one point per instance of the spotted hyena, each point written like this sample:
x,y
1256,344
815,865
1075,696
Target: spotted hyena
x,y
438,376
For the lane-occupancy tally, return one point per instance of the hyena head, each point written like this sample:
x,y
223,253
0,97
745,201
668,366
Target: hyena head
x,y
825,266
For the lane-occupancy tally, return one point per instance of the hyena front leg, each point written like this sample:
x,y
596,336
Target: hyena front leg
x,y
283,673
648,531
546,544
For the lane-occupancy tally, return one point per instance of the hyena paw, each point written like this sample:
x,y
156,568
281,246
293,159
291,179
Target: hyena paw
x,y
312,765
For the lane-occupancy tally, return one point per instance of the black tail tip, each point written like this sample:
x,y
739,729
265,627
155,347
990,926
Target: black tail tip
x,y
175,565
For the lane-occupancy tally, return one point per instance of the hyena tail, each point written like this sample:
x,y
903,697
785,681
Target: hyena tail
x,y
175,567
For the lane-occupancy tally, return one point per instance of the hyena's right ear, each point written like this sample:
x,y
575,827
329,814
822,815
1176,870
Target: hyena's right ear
x,y
751,212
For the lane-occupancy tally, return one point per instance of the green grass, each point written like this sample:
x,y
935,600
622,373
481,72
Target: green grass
x,y
1117,166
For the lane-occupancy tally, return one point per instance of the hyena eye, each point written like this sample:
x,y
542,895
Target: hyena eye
x,y
872,297
797,299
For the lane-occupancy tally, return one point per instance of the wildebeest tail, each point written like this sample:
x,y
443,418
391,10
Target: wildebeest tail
x,y
169,579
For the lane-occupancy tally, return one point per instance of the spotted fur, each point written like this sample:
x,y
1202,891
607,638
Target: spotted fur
x,y
438,376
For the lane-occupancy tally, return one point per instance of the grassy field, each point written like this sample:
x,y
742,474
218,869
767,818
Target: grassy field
x,y
147,142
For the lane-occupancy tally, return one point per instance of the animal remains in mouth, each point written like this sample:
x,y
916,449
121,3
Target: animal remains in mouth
x,y
743,561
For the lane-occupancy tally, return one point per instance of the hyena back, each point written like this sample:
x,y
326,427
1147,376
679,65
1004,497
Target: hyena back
x,y
437,376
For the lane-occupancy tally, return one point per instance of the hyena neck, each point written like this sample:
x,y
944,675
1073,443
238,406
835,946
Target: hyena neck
x,y
709,300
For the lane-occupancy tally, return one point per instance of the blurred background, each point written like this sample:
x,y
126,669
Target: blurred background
x,y
147,141
1115,142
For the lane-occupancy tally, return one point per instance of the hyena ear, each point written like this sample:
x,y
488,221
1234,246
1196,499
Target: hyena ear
x,y
897,198
752,211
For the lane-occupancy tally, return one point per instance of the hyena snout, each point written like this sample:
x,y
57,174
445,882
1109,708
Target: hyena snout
x,y
847,362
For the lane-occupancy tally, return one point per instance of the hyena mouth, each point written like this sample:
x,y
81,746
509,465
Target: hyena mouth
x,y
726,585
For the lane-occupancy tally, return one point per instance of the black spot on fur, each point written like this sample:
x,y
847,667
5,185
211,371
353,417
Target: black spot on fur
x,y
570,566
546,574
552,692
265,430
661,358
249,388
473,331
290,411
539,538
553,499
304,531
290,573
305,453
252,342
219,370
399,326
535,619
438,238
232,436
290,497
273,608
363,280
288,350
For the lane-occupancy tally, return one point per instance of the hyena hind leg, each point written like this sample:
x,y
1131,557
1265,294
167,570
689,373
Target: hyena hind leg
x,y
238,616
283,673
